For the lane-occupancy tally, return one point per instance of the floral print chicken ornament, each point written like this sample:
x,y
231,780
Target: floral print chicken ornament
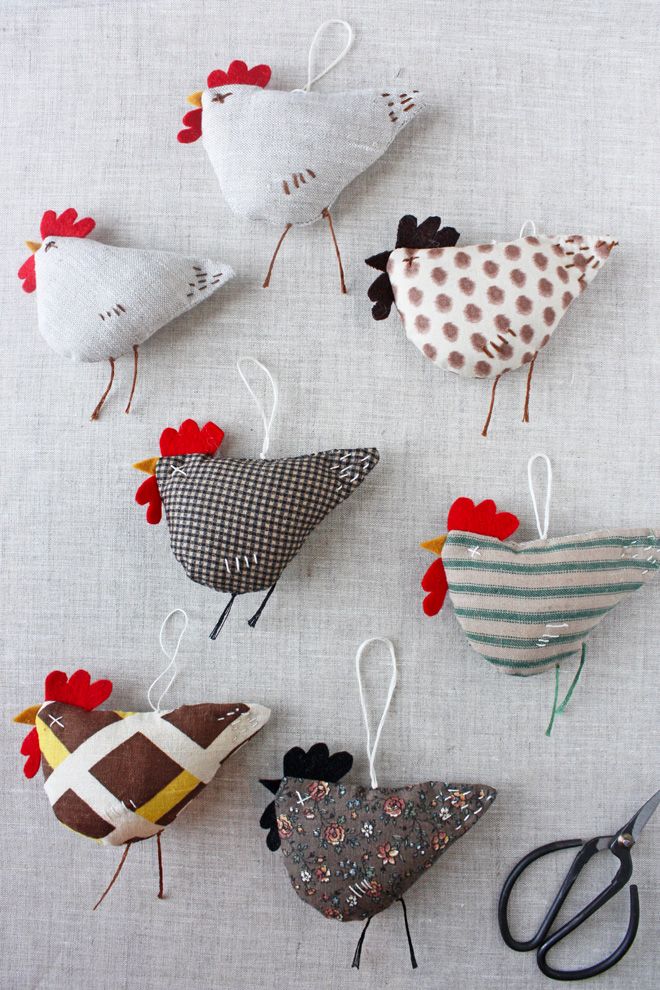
x,y
351,851
120,777
529,607
485,309
284,157
236,523
96,302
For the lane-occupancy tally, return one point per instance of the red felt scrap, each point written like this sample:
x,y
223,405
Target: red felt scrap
x,y
31,749
483,519
189,439
79,689
148,494
192,127
28,274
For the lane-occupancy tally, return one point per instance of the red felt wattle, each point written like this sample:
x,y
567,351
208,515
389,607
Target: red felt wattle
x,y
148,494
239,74
192,131
189,439
483,519
66,224
79,689
435,583
28,273
30,748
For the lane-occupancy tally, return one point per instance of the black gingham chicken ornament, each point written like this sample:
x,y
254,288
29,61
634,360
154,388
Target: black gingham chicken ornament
x,y
235,523
351,851
285,157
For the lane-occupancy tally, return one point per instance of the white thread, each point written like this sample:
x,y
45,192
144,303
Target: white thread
x,y
310,82
172,659
267,421
543,532
371,751
524,227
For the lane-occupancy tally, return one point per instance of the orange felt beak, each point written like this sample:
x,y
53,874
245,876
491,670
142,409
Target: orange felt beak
x,y
27,717
195,98
436,545
33,246
148,466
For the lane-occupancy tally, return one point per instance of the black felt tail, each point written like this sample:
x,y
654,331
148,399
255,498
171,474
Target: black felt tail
x,y
358,947
223,618
255,618
413,961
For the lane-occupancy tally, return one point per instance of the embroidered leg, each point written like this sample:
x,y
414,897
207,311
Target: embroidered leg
x,y
358,948
99,406
135,371
326,214
223,618
275,254
161,888
525,418
413,961
116,874
255,618
484,432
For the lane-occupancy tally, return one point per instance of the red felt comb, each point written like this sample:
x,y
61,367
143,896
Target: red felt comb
x,y
189,439
483,519
66,225
237,74
79,689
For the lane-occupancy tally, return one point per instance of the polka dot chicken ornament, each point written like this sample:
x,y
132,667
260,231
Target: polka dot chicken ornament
x,y
96,302
120,777
529,607
236,523
483,310
284,157
352,851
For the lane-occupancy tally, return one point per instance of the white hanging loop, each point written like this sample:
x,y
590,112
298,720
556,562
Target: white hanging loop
x,y
531,225
267,420
371,751
312,49
172,658
543,531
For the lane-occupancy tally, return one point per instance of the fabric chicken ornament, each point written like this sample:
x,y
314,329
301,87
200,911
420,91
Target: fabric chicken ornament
x,y
285,157
351,851
528,607
96,302
120,777
235,523
484,309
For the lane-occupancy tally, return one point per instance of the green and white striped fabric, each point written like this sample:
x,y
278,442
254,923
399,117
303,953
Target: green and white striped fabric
x,y
527,606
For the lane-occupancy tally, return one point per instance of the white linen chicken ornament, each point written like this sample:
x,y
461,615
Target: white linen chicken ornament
x,y
285,157
96,302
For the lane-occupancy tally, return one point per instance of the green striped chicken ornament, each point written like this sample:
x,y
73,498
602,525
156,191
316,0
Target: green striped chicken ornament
x,y
527,607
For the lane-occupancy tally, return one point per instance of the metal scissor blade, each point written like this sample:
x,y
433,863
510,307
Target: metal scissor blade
x,y
638,822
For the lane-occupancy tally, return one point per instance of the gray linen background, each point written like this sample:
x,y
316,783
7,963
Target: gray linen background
x,y
538,110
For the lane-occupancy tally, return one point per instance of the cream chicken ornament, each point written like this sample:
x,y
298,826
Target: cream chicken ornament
x,y
285,157
96,302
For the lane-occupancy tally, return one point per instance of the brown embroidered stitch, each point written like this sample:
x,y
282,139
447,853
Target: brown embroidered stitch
x,y
99,406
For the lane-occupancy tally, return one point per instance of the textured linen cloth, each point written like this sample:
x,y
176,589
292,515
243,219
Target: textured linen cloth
x,y
534,110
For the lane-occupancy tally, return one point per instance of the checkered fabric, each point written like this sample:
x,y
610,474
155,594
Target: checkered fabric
x,y
121,776
526,606
235,524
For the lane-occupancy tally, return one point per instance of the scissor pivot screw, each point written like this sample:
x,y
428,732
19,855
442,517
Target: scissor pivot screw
x,y
626,840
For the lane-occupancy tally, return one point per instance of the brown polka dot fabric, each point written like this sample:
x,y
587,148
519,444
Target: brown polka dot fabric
x,y
498,303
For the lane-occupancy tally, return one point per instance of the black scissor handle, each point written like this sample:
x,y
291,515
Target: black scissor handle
x,y
502,907
612,959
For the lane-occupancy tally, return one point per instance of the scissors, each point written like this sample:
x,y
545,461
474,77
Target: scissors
x,y
619,845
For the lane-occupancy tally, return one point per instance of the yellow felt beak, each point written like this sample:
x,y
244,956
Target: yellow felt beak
x,y
435,546
28,717
33,246
195,98
148,466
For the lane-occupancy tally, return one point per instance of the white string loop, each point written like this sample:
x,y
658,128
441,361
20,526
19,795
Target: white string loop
x,y
312,49
527,223
371,751
172,658
543,532
267,420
